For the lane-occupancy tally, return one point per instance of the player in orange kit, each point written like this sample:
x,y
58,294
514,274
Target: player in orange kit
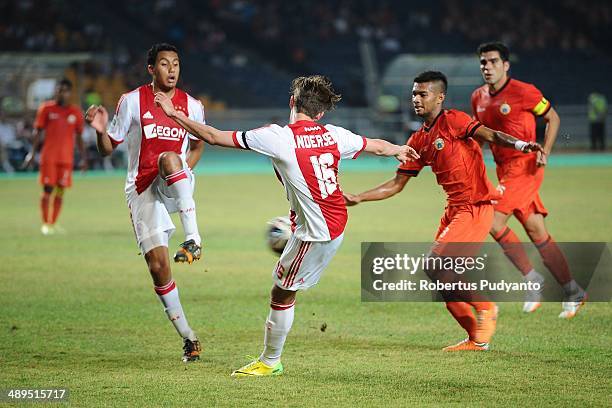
x,y
446,142
61,122
511,106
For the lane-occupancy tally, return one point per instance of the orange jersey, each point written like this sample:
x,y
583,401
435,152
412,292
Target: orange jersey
x,y
60,124
511,110
454,156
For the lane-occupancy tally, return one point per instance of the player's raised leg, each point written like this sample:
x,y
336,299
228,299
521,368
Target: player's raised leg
x,y
555,262
172,170
165,287
514,250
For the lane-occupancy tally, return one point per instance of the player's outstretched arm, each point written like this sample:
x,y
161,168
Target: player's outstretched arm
x,y
385,190
503,139
204,132
97,117
381,147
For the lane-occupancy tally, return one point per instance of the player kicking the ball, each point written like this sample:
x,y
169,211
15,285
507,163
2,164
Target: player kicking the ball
x,y
305,156
447,143
509,105
159,179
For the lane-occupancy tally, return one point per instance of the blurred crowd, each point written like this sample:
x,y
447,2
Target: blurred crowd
x,y
567,25
232,34
48,26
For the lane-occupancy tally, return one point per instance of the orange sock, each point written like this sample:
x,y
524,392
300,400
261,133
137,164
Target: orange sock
x,y
44,207
513,248
554,260
462,312
57,207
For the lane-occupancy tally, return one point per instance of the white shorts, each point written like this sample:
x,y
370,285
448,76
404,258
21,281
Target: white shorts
x,y
150,212
302,263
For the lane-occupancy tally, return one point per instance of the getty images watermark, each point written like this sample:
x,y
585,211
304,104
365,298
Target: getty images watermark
x,y
460,272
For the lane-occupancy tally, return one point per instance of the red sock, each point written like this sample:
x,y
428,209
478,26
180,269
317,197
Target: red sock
x,y
513,248
462,313
44,207
554,260
57,206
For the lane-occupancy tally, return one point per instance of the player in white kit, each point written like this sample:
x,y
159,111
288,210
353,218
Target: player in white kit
x,y
159,181
305,156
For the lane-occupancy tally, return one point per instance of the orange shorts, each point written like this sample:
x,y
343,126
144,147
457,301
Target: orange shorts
x,y
465,223
56,174
519,182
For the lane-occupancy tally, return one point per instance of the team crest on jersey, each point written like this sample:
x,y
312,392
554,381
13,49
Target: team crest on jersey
x,y
439,143
71,119
505,108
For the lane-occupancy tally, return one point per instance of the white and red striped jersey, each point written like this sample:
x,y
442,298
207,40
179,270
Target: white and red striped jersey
x,y
306,156
149,132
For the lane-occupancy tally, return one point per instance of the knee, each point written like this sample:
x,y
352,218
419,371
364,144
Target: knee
x,y
158,269
282,296
497,228
536,234
59,191
535,228
168,163
47,189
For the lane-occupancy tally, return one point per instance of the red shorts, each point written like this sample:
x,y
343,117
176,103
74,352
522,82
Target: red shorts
x,y
56,174
519,182
465,223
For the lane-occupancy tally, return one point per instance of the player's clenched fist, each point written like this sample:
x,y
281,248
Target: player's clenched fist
x,y
163,101
541,159
527,147
351,199
97,117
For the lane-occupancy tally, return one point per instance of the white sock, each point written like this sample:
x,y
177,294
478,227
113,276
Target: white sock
x,y
277,328
572,290
169,296
180,189
534,295
534,276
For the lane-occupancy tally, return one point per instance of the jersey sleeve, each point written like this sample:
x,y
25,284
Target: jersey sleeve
x,y
412,167
462,125
196,113
534,101
41,117
350,145
265,140
120,125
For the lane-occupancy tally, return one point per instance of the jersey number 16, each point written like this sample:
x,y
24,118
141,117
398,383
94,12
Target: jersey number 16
x,y
324,171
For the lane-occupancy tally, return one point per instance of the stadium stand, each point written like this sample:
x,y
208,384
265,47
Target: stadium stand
x,y
228,43
243,53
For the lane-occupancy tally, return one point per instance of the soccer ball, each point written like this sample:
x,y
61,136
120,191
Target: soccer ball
x,y
278,233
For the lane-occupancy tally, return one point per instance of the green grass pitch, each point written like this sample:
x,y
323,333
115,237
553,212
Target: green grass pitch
x,y
78,310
